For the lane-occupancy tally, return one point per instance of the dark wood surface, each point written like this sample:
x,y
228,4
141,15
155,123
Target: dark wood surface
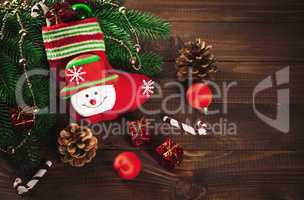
x,y
252,40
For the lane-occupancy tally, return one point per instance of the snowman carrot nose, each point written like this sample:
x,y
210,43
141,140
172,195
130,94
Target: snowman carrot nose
x,y
93,101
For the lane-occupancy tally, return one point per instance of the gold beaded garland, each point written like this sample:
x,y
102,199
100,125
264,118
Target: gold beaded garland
x,y
137,47
11,150
133,61
22,31
122,10
12,9
22,61
134,56
6,3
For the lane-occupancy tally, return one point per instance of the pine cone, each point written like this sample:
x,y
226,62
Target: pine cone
x,y
77,145
195,61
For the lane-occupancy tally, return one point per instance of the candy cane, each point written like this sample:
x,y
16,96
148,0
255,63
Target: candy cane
x,y
23,189
201,124
202,130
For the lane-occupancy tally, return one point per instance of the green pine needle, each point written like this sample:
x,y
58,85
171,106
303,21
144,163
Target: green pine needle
x,y
152,63
148,26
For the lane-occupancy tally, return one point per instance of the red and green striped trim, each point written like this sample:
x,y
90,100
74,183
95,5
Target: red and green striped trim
x,y
83,61
79,29
73,39
75,49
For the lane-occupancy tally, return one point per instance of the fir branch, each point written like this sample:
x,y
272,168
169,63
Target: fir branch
x,y
29,155
6,94
7,137
9,72
111,29
9,51
100,3
148,26
41,87
113,23
151,63
44,123
5,117
117,55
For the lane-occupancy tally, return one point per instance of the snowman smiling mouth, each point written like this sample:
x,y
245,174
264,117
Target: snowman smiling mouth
x,y
95,106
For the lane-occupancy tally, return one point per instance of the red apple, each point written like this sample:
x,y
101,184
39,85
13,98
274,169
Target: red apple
x,y
199,96
127,165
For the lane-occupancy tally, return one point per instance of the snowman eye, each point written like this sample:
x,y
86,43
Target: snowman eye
x,y
87,96
96,93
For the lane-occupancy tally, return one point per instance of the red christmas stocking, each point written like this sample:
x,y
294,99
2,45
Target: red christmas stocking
x,y
96,93
94,90
65,41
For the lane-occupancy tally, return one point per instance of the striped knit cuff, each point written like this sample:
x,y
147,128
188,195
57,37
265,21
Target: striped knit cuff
x,y
71,39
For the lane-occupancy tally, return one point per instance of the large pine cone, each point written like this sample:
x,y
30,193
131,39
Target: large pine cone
x,y
77,145
195,62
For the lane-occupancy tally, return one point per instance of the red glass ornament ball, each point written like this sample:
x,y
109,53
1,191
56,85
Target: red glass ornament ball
x,y
199,96
128,165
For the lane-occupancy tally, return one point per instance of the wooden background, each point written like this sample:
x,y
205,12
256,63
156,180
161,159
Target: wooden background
x,y
252,39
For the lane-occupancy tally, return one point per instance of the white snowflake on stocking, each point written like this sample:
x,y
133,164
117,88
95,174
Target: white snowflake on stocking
x,y
148,88
76,74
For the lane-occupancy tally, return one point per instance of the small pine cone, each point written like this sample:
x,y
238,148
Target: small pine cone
x,y
195,62
77,145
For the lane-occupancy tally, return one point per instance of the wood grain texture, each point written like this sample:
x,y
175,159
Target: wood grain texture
x,y
252,40
239,41
251,11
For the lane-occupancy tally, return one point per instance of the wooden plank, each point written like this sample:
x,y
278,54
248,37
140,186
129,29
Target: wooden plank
x,y
240,129
240,163
98,180
237,41
251,133
212,170
270,11
252,40
260,191
244,76
250,175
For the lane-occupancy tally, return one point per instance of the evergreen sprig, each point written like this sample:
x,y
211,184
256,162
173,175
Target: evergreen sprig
x,y
113,24
29,155
146,26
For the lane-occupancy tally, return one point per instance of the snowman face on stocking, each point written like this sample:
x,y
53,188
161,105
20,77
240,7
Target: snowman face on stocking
x,y
89,86
94,100
98,93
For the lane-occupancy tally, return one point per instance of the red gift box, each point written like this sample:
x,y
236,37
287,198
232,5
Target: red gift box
x,y
22,118
171,154
139,132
